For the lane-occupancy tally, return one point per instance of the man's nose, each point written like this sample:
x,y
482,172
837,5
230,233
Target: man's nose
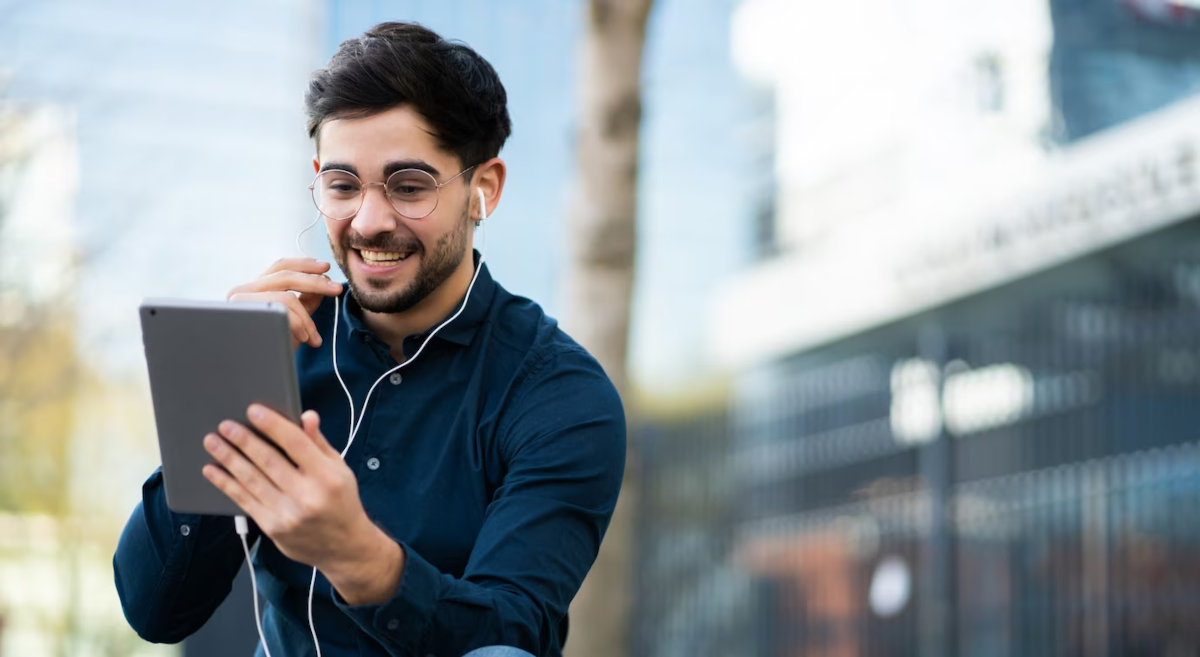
x,y
376,215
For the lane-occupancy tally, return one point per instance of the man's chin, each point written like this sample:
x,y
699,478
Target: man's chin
x,y
382,295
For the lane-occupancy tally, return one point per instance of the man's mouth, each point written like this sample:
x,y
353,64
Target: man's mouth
x,y
383,258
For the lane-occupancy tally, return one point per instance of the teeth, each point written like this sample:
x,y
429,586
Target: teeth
x,y
382,256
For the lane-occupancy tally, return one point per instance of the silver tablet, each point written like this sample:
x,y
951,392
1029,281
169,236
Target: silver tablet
x,y
208,361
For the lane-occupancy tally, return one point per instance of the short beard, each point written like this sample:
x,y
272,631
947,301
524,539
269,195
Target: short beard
x,y
436,267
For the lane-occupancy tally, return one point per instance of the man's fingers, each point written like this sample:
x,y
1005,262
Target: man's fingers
x,y
284,282
302,282
241,469
236,492
303,327
311,422
262,454
290,281
306,265
311,301
289,437
299,319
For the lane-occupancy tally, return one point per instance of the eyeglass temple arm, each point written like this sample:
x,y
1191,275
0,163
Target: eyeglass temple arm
x,y
455,176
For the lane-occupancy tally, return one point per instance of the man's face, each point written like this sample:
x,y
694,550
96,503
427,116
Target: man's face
x,y
431,247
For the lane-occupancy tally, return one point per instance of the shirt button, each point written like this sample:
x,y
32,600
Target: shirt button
x,y
393,625
395,378
372,464
185,530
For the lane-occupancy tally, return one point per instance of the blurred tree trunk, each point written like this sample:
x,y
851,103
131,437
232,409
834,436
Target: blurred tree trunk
x,y
599,282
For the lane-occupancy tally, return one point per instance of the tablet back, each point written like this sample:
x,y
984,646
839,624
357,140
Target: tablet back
x,y
208,361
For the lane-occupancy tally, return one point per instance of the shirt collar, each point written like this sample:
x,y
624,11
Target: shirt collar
x,y
460,331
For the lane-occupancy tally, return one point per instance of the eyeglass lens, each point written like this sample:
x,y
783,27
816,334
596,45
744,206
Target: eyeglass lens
x,y
339,194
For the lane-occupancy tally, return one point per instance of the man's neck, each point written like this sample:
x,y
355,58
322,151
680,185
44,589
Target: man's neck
x,y
392,328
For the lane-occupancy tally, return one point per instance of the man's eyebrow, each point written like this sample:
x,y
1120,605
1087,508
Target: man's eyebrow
x,y
338,166
388,169
393,167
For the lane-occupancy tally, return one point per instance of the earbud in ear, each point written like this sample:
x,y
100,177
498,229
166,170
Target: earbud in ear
x,y
482,206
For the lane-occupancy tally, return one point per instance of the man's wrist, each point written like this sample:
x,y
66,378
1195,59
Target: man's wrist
x,y
371,573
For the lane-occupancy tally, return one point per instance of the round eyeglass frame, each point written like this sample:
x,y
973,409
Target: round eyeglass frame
x,y
312,188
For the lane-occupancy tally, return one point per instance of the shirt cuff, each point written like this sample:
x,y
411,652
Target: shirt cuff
x,y
171,534
407,616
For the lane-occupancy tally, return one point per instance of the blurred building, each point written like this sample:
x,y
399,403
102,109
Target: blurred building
x,y
966,367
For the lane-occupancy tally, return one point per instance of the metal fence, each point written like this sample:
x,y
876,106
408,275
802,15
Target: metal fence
x,y
1017,473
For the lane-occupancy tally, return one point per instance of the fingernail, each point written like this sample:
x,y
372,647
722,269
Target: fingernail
x,y
211,442
225,427
256,412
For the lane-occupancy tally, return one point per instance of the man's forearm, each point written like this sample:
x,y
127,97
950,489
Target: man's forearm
x,y
372,571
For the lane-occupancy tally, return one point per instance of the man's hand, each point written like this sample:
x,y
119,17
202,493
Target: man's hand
x,y
308,505
298,284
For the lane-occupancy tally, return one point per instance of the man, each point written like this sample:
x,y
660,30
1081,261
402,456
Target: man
x,y
481,476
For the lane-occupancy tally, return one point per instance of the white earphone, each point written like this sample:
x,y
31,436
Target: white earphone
x,y
240,521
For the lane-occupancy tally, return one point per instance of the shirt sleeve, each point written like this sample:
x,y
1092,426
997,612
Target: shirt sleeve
x,y
172,570
563,439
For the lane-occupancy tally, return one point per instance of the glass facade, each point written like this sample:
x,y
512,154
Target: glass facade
x,y
1114,61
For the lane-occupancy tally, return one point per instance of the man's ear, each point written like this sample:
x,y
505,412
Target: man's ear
x,y
489,178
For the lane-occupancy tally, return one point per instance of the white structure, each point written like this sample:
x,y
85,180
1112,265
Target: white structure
x,y
913,169
39,179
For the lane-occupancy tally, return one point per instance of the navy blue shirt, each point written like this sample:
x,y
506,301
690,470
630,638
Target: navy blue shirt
x,y
494,459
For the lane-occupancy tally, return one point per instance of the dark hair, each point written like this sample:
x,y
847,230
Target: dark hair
x,y
450,85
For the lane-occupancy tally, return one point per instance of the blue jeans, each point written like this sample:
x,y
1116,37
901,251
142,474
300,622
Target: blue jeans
x,y
497,651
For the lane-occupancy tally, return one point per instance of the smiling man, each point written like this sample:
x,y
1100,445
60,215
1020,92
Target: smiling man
x,y
481,476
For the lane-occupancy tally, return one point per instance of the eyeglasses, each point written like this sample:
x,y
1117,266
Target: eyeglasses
x,y
414,193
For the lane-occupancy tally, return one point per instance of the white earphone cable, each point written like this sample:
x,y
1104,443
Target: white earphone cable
x,y
300,247
242,528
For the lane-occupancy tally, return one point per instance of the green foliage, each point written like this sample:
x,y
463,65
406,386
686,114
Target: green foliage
x,y
38,375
